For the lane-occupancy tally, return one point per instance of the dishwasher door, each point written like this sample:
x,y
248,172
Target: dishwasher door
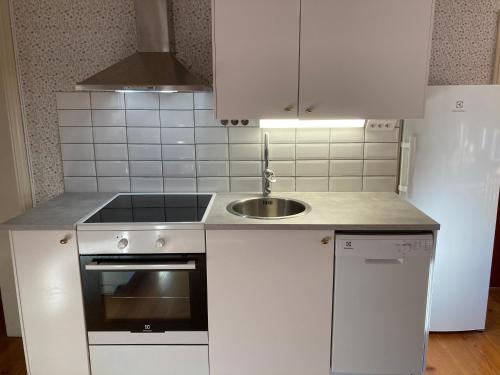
x,y
381,303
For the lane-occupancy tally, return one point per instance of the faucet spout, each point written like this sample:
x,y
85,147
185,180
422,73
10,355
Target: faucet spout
x,y
268,176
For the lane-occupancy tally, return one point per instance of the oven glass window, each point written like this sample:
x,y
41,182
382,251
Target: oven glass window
x,y
144,295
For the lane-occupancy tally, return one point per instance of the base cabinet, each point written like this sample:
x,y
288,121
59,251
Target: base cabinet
x,y
149,359
49,291
270,301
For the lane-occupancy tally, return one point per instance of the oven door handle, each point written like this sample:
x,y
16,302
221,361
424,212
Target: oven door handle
x,y
94,266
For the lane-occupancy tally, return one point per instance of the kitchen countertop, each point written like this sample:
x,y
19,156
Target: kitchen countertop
x,y
339,211
62,212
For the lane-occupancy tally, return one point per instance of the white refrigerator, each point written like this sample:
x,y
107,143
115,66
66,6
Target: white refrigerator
x,y
451,170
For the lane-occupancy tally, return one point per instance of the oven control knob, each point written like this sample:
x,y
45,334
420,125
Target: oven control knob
x,y
122,244
160,242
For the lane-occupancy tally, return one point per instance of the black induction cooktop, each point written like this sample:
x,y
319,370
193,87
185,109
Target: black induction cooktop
x,y
153,208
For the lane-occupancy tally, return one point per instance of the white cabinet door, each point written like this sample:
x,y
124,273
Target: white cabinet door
x,y
256,58
269,302
51,305
364,58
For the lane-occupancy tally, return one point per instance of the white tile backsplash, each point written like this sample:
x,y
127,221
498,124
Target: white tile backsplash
x,y
110,135
144,168
113,184
178,152
346,151
347,135
75,134
381,150
140,118
282,167
73,100
176,119
143,135
80,184
178,100
212,168
211,135
111,151
246,168
153,142
339,168
146,184
179,169
142,100
177,136
179,185
245,135
241,151
108,117
313,135
313,184
375,184
107,100
144,152
313,151
246,184
382,135
79,168
112,168
380,168
205,118
313,168
75,117
346,184
77,151
280,135
213,184
212,152
203,100
281,152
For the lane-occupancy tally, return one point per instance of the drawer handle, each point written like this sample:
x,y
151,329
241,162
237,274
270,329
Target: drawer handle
x,y
326,240
384,261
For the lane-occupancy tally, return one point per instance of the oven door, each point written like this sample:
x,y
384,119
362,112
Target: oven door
x,y
154,299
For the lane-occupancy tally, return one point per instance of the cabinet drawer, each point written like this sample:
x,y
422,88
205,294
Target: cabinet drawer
x,y
149,359
139,241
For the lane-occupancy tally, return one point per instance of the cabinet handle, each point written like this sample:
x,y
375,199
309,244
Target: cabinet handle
x,y
65,240
309,109
326,240
384,261
289,108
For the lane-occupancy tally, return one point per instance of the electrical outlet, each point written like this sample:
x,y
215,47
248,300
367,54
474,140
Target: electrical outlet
x,y
381,125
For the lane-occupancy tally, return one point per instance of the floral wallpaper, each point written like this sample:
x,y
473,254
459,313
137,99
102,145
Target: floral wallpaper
x,y
60,42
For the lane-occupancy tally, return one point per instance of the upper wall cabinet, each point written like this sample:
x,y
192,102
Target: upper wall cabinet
x,y
256,58
318,59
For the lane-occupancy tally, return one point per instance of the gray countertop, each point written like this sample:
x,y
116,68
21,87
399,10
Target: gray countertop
x,y
62,212
339,211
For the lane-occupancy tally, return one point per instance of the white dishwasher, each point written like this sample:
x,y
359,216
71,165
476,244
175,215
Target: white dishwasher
x,y
380,323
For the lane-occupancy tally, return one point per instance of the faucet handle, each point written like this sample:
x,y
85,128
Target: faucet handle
x,y
269,175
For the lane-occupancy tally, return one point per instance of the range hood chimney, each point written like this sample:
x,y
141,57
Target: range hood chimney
x,y
154,67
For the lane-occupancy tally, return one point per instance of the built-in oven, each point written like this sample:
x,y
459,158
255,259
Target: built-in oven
x,y
145,299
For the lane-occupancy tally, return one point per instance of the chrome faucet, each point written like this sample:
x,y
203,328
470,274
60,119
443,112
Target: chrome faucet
x,y
268,176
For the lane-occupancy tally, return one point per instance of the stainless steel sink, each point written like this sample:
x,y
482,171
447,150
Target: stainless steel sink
x,y
268,208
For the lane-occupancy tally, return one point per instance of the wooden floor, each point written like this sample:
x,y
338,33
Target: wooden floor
x,y
475,353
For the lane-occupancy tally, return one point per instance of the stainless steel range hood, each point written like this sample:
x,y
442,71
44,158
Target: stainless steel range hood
x,y
154,67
